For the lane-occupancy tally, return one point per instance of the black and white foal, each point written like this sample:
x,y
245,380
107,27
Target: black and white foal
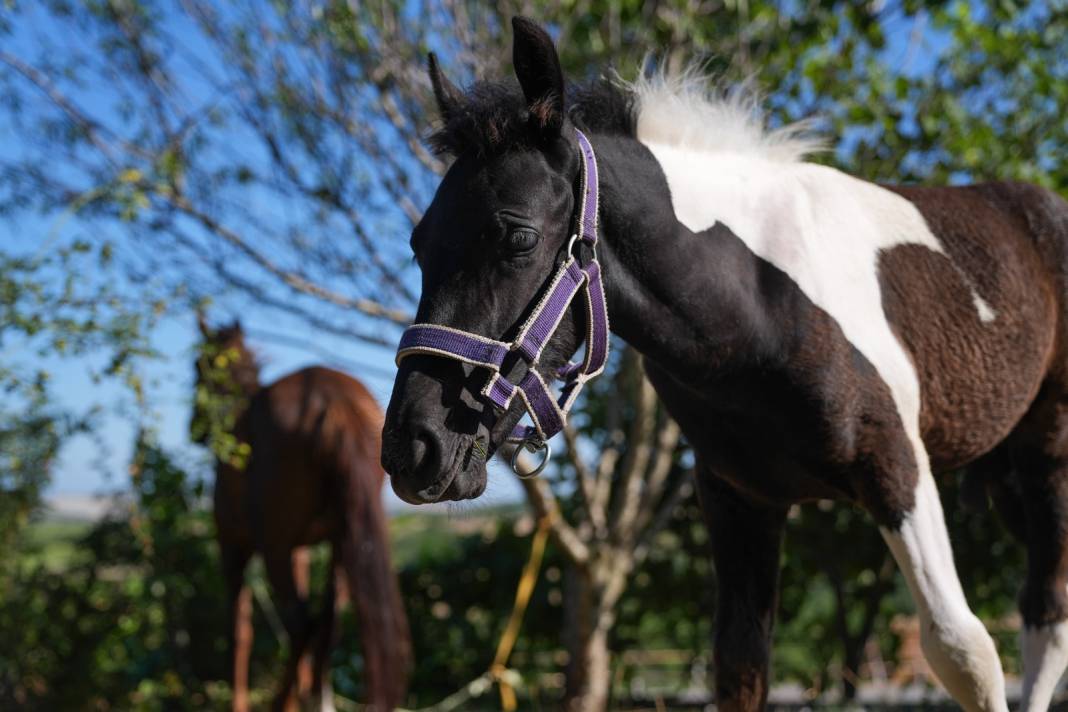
x,y
815,335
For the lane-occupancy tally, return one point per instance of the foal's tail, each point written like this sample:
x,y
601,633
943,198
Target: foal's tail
x,y
365,556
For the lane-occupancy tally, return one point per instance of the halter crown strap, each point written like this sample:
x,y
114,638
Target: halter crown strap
x,y
547,412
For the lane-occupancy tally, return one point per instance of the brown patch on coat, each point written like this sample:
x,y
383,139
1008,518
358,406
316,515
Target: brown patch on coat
x,y
977,378
1009,241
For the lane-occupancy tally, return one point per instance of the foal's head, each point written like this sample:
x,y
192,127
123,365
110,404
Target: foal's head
x,y
487,246
226,376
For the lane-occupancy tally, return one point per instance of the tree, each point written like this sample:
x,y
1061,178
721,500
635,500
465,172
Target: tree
x,y
621,484
47,313
135,619
268,151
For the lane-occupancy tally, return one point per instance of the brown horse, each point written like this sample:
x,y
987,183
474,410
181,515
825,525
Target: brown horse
x,y
311,475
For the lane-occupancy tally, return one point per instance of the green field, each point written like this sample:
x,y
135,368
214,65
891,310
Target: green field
x,y
53,542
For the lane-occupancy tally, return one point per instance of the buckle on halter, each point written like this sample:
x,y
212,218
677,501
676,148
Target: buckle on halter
x,y
532,444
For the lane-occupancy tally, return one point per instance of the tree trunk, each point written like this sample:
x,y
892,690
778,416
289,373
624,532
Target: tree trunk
x,y
589,675
589,620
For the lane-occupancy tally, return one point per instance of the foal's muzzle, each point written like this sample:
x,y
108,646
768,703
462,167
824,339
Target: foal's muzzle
x,y
430,437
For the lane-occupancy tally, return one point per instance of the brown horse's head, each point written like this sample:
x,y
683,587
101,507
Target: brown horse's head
x,y
226,377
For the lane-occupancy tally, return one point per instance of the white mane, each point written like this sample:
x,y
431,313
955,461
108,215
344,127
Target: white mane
x,y
690,110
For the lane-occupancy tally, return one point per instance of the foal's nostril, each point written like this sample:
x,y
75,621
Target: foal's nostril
x,y
425,457
421,445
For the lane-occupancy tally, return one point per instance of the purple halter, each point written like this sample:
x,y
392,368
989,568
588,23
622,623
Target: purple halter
x,y
547,412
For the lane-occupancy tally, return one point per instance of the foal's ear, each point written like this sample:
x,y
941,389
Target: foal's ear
x,y
447,94
537,67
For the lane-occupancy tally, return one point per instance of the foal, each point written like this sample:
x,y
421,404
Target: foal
x,y
312,475
815,336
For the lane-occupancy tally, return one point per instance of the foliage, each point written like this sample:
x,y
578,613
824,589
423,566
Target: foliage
x,y
135,616
218,401
136,621
57,303
27,446
60,302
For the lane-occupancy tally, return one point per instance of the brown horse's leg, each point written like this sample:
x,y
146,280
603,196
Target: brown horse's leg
x,y
326,639
239,597
746,541
301,572
282,565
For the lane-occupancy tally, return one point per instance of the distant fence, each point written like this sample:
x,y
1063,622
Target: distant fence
x,y
676,680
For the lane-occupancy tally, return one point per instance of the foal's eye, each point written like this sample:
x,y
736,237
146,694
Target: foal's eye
x,y
522,239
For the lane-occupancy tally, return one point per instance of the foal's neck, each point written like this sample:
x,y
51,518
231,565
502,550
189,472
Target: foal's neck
x,y
685,300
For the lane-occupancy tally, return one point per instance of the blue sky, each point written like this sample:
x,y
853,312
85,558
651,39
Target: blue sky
x,y
97,462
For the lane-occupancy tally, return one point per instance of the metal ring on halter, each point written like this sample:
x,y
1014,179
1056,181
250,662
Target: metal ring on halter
x,y
571,243
531,445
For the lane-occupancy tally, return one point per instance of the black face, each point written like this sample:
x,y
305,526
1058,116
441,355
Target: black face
x,y
487,246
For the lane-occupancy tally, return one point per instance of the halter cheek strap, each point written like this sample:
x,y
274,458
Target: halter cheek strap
x,y
548,412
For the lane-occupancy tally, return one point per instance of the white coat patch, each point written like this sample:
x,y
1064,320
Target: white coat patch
x,y
986,312
821,227
1045,655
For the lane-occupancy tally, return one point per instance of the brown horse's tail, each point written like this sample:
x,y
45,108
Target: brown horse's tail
x,y
365,557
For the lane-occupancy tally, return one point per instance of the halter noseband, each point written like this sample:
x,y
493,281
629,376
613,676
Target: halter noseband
x,y
547,412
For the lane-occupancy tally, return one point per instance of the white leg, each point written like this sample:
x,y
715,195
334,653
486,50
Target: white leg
x,y
326,697
956,645
1045,656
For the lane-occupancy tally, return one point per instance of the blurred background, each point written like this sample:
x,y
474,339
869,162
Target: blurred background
x,y
263,161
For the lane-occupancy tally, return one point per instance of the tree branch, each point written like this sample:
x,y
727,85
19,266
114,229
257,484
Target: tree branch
x,y
92,128
667,441
543,501
636,460
291,279
677,491
586,481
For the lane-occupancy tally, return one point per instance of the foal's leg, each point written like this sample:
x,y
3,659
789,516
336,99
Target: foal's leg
x,y
746,541
955,643
1044,598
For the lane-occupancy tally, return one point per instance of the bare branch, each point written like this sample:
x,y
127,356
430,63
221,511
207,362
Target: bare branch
x,y
312,318
544,503
667,441
586,481
291,279
677,491
92,129
602,489
636,460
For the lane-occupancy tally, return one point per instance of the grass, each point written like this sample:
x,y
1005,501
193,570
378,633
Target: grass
x,y
435,535
53,542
